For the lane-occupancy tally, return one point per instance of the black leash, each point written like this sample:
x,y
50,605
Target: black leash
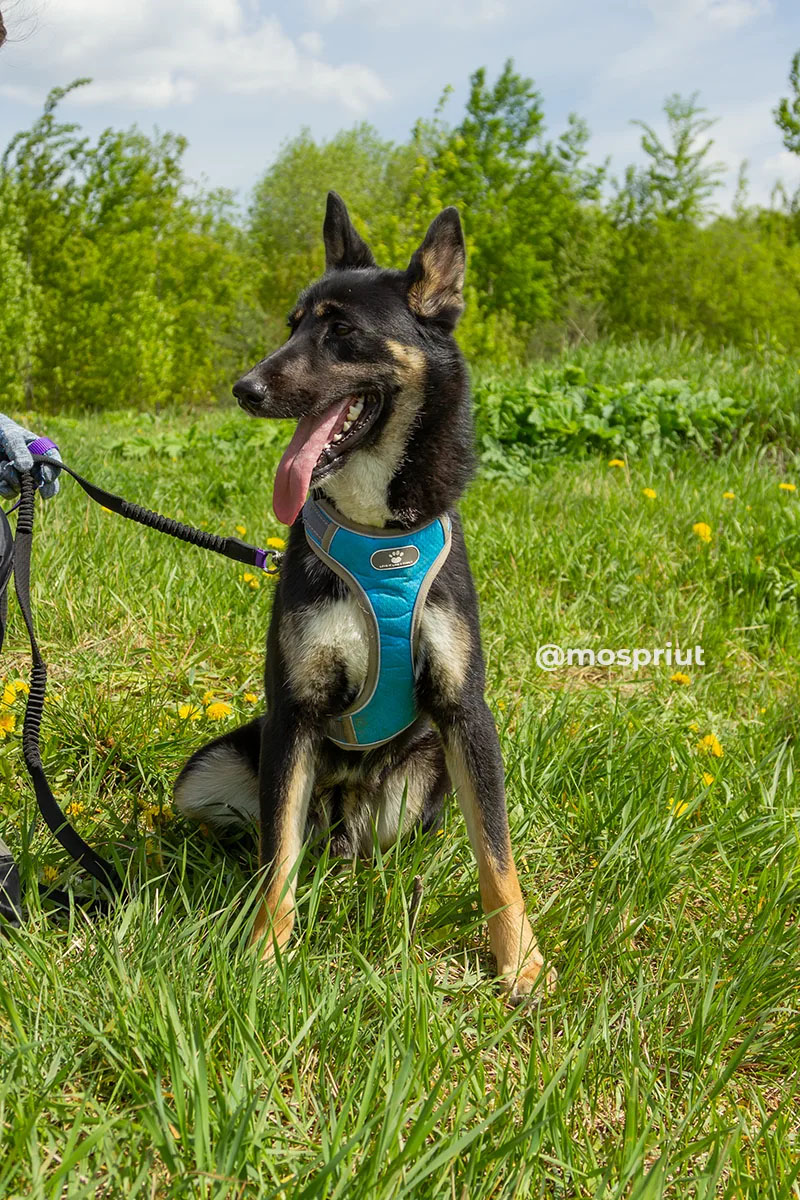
x,y
15,556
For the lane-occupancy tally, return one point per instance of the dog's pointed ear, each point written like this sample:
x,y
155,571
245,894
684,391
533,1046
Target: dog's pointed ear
x,y
343,246
435,275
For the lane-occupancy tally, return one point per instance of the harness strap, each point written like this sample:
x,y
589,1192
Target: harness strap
x,y
18,560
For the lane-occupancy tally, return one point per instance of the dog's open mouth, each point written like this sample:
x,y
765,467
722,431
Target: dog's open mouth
x,y
317,444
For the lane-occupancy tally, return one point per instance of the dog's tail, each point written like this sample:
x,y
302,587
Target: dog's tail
x,y
219,783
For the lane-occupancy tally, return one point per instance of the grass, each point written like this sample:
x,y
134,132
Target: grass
x,y
149,1055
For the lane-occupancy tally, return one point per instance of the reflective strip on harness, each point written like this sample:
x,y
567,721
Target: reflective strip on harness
x,y
389,572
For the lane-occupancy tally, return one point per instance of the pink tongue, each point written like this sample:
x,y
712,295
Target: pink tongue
x,y
300,458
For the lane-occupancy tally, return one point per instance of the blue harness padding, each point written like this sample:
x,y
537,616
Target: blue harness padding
x,y
389,572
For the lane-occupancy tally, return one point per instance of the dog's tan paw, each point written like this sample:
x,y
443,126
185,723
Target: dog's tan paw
x,y
520,985
270,929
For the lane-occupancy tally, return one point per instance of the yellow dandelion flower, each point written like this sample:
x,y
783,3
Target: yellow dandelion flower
x,y
710,745
8,722
787,487
49,874
616,462
708,778
241,530
729,495
702,530
501,704
9,695
208,697
276,543
250,698
695,728
677,809
680,677
248,576
75,808
649,492
254,583
19,685
218,711
189,712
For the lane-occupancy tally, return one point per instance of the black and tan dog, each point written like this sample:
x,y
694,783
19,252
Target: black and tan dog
x,y
379,388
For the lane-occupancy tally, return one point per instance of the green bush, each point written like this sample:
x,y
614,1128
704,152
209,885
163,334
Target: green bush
x,y
522,420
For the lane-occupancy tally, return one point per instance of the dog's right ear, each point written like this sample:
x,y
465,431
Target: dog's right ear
x,y
344,247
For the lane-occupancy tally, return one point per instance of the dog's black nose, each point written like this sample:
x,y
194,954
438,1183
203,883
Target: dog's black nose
x,y
249,390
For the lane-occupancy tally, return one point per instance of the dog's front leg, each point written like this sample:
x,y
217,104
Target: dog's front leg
x,y
286,778
476,769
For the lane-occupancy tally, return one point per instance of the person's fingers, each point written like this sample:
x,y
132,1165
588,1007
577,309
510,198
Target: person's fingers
x,y
9,480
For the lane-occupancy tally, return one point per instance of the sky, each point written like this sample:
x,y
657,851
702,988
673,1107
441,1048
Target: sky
x,y
239,77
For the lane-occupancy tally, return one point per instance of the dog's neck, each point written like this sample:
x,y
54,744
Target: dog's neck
x,y
418,468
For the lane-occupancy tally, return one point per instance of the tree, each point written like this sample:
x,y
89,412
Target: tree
x,y
787,114
678,180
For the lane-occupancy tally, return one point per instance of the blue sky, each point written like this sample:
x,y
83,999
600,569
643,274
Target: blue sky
x,y
238,77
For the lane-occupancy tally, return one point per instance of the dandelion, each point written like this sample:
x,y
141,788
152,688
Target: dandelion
x,y
649,492
708,778
75,808
695,728
189,712
7,722
9,695
250,698
49,874
702,530
729,495
616,462
275,543
241,530
787,487
710,745
678,809
208,697
680,677
19,685
501,704
218,711
251,580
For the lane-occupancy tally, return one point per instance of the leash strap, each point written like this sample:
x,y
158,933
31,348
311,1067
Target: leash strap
x,y
230,547
15,555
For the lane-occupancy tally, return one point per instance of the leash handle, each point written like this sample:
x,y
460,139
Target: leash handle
x,y
230,547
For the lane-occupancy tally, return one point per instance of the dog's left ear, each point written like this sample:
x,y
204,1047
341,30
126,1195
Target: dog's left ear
x,y
344,247
435,275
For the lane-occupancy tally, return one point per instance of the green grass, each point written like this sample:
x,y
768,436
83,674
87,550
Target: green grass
x,y
150,1055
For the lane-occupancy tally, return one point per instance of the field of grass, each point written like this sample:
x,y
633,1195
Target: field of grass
x,y
656,825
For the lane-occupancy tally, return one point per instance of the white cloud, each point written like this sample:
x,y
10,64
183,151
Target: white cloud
x,y
160,52
714,14
448,14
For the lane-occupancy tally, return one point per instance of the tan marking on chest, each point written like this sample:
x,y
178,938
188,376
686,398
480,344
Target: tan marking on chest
x,y
317,642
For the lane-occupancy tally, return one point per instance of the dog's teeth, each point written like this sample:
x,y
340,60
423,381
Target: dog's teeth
x,y
354,411
337,437
347,425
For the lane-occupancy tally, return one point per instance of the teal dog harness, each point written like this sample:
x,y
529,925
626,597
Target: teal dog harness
x,y
389,572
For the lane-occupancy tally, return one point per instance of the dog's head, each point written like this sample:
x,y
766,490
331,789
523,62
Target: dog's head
x,y
362,368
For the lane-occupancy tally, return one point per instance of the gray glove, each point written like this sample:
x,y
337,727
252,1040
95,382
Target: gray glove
x,y
15,457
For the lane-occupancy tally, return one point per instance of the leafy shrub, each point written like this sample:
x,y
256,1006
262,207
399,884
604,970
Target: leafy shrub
x,y
561,412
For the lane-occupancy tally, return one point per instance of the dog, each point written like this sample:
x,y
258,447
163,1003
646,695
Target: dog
x,y
384,444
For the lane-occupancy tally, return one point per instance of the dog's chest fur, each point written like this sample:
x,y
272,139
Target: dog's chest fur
x,y
327,643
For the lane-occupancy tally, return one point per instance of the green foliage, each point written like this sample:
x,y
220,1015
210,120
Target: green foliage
x,y
561,411
123,285
139,282
787,114
20,299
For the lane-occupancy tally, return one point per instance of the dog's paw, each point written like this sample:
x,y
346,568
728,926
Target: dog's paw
x,y
520,985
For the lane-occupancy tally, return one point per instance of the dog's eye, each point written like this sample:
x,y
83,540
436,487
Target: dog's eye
x,y
341,328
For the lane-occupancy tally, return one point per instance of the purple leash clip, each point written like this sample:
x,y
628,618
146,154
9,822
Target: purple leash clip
x,y
41,445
